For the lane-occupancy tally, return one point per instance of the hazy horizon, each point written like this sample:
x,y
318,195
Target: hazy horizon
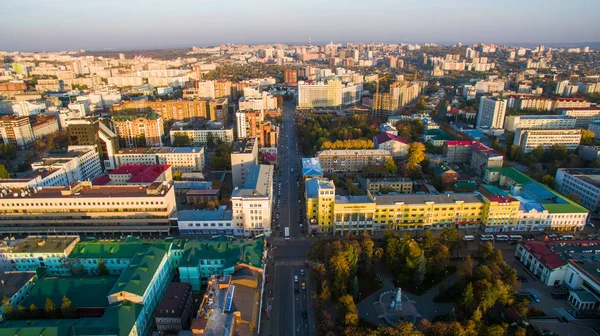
x,y
114,25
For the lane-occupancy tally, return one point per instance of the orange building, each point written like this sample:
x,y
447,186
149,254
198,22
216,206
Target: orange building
x,y
145,130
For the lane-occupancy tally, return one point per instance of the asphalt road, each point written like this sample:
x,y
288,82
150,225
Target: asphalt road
x,y
288,304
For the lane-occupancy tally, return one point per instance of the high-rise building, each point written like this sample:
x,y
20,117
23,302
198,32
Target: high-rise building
x,y
252,203
219,110
94,132
290,76
491,113
223,89
16,131
243,156
332,93
144,130
168,109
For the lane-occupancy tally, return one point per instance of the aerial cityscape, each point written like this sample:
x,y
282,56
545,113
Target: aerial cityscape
x,y
308,168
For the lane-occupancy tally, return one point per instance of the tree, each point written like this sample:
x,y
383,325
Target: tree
x,y
181,139
587,137
33,311
428,242
355,287
350,317
468,298
452,239
102,269
439,259
548,180
485,251
573,198
9,311
340,273
67,309
210,141
50,308
420,269
390,166
3,172
367,245
416,153
465,268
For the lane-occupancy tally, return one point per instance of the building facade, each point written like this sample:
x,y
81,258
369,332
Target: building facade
x,y
181,159
581,182
139,130
334,160
252,203
528,140
491,113
512,123
243,157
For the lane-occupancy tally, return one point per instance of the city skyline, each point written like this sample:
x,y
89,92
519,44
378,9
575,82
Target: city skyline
x,y
114,25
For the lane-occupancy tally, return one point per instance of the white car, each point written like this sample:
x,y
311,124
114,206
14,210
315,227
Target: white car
x,y
295,278
469,238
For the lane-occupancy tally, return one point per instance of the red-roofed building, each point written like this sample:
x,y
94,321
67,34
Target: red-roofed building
x,y
398,146
547,260
135,174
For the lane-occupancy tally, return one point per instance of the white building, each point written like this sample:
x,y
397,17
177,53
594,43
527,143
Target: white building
x,y
79,163
252,203
206,89
583,115
333,93
512,123
199,136
581,182
26,108
181,159
265,101
528,140
206,222
491,113
243,157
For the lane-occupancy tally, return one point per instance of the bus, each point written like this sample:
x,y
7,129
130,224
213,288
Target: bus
x,y
287,233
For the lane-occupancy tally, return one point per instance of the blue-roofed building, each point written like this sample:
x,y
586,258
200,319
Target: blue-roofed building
x,y
206,222
320,197
311,167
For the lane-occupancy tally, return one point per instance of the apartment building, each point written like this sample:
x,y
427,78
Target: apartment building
x,y
290,76
512,123
78,163
528,139
218,110
46,251
82,207
180,110
332,93
583,115
568,103
399,185
94,132
16,131
136,175
45,85
146,130
243,157
181,159
581,182
252,203
534,103
200,131
491,113
340,160
484,157
264,101
594,127
44,125
458,151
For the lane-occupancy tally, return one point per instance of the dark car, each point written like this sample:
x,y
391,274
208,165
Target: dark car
x,y
280,233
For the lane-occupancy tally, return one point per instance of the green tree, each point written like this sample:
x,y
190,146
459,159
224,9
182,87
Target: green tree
x,y
340,274
420,269
465,268
468,298
34,312
390,166
67,309
3,172
485,251
587,137
452,238
50,308
102,269
439,259
181,139
350,312
548,180
428,242
367,245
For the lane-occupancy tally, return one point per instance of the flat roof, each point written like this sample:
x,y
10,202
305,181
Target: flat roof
x,y
352,199
354,152
113,249
205,215
244,146
257,183
105,191
174,300
161,150
315,184
548,116
12,282
590,175
311,167
34,244
418,199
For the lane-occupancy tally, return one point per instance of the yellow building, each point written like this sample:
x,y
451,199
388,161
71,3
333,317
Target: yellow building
x,y
353,214
320,197
500,211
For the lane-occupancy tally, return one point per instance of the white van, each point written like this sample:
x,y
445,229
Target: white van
x,y
486,237
469,238
515,237
501,237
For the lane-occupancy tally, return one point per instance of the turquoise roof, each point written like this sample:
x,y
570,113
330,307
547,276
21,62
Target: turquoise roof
x,y
137,276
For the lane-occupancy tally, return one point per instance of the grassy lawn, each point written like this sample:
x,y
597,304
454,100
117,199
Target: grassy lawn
x,y
368,284
430,281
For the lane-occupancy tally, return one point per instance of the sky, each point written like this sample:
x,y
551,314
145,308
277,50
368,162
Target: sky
x,y
35,25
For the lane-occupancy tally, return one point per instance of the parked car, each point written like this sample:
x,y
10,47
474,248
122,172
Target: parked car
x,y
535,297
295,278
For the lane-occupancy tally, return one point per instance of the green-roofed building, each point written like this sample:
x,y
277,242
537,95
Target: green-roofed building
x,y
121,319
219,256
116,254
87,293
437,137
562,213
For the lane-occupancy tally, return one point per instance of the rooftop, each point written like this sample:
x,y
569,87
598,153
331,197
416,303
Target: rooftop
x,y
231,251
220,214
549,116
385,137
554,254
244,146
139,173
589,175
315,184
12,282
161,150
352,199
113,249
422,199
174,300
258,182
129,117
354,152
34,244
311,167
140,271
86,190
83,291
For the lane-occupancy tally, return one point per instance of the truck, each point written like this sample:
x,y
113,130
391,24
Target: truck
x,y
287,233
